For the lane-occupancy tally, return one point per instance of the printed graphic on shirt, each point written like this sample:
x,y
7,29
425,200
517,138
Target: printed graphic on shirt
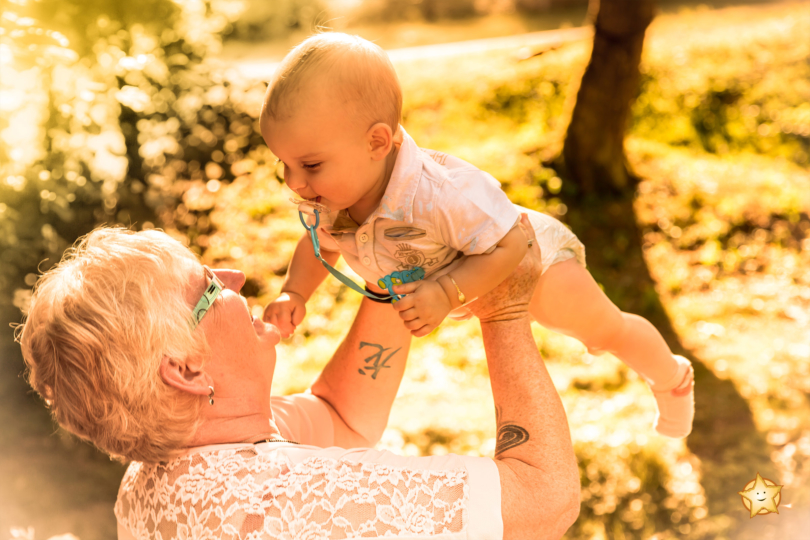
x,y
404,233
410,257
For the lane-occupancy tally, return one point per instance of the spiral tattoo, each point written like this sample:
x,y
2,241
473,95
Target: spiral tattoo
x,y
509,435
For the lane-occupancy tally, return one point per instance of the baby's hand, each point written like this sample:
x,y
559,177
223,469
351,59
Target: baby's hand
x,y
286,312
424,308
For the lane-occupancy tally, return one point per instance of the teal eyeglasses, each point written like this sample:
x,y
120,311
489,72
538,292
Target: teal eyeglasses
x,y
208,297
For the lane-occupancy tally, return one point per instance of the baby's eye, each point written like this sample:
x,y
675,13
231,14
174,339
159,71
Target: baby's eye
x,y
311,166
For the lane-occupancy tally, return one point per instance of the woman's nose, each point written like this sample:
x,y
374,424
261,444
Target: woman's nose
x,y
233,279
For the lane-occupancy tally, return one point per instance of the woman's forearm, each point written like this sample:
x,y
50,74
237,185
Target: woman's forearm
x,y
361,380
535,457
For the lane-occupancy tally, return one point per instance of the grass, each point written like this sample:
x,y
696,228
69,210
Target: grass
x,y
720,138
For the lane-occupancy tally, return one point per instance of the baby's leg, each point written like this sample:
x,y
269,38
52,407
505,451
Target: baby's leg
x,y
568,300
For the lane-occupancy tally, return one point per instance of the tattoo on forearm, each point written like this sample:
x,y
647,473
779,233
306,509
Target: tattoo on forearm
x,y
510,434
376,362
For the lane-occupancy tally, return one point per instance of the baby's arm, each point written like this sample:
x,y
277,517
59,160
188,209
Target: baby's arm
x,y
304,275
479,274
429,302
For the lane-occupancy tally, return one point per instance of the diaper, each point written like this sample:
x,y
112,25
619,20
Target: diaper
x,y
557,244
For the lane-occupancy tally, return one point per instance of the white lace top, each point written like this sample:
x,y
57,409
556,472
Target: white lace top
x,y
303,492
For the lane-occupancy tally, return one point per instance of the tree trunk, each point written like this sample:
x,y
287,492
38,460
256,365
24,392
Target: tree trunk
x,y
599,191
594,144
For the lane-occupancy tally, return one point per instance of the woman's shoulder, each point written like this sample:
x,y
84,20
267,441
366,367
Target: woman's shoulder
x,y
456,494
202,466
151,493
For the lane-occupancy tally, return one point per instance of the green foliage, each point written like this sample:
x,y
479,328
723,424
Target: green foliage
x,y
731,215
724,99
625,495
96,95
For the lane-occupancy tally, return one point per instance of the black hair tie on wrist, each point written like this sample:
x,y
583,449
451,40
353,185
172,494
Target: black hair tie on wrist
x,y
379,298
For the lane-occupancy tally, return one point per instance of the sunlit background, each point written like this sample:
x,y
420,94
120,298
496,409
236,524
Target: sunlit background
x,y
144,114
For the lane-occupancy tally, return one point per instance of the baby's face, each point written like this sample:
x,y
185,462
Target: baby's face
x,y
326,154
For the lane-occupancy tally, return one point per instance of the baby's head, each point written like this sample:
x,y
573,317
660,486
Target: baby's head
x,y
330,114
354,72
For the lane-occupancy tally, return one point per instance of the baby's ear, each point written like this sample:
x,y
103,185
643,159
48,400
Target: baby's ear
x,y
380,139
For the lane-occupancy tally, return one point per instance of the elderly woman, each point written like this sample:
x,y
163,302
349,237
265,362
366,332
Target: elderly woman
x,y
155,358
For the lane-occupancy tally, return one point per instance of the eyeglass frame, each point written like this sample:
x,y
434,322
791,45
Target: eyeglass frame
x,y
207,299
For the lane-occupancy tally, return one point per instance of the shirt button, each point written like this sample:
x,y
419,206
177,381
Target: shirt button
x,y
366,261
364,238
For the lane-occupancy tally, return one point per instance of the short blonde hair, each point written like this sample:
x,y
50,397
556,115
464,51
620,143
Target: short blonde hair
x,y
358,71
98,326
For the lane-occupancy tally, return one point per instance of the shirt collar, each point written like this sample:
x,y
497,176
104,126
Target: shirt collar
x,y
342,222
397,202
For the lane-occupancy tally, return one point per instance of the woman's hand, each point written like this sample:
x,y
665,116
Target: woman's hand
x,y
510,300
424,308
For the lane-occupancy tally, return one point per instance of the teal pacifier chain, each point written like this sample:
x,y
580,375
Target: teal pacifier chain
x,y
340,276
388,282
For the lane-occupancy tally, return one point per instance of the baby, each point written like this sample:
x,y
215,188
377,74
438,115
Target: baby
x,y
331,115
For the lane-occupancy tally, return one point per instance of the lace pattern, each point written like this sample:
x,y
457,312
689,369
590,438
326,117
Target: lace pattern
x,y
249,495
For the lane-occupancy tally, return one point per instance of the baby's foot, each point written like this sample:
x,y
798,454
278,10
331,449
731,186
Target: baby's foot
x,y
676,401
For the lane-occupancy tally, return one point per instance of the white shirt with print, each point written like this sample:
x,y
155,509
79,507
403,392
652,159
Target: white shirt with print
x,y
435,209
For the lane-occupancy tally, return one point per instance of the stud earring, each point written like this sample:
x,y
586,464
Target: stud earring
x,y
211,396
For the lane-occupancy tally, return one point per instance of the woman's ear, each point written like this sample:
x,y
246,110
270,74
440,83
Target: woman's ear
x,y
380,139
184,377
